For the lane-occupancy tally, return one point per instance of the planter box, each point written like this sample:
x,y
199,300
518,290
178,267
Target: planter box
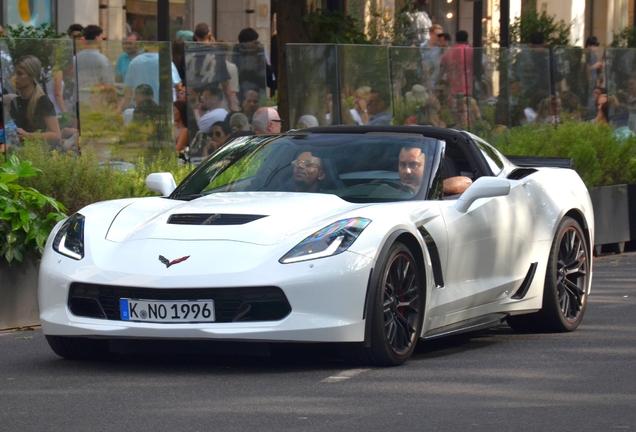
x,y
18,295
631,195
611,216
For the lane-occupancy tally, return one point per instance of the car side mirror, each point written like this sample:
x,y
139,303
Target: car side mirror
x,y
483,187
161,182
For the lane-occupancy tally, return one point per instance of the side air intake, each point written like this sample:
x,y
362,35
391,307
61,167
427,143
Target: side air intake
x,y
212,219
527,281
520,173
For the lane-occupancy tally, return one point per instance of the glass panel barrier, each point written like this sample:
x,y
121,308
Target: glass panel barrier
x,y
221,78
365,85
414,78
37,88
483,117
445,87
119,97
358,73
126,92
312,80
529,87
615,91
572,87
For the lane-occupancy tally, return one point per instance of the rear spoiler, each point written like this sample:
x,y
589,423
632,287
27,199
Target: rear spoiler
x,y
541,161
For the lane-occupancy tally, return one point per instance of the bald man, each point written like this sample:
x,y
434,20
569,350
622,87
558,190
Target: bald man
x,y
266,121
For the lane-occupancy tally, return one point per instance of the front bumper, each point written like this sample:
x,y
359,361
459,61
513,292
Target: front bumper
x,y
326,296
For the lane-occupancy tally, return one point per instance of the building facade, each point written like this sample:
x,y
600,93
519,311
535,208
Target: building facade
x,y
117,17
601,18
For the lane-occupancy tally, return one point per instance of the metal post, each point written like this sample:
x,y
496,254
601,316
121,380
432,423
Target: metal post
x,y
76,97
163,20
477,43
333,70
504,21
477,24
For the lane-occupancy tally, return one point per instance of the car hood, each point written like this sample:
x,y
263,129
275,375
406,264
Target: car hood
x,y
264,218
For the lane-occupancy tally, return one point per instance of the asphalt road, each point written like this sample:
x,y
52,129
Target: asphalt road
x,y
493,380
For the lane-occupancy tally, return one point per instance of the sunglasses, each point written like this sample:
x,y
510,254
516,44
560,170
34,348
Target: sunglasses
x,y
217,134
304,163
277,121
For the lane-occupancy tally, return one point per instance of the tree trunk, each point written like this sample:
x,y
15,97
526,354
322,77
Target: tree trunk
x,y
290,28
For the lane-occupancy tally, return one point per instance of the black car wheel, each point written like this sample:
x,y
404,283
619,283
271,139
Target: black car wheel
x,y
398,309
567,277
566,282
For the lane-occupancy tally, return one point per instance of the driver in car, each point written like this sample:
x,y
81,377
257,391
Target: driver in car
x,y
411,168
308,172
411,171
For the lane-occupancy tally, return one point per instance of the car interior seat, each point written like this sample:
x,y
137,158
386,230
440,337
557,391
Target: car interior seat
x,y
450,168
332,179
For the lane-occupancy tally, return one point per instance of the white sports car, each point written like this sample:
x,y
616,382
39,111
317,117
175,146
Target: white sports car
x,y
331,234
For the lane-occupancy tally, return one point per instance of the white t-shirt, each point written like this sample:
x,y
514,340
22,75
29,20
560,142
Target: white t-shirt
x,y
209,118
356,116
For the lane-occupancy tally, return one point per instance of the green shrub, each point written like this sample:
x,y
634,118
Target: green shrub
x,y
600,157
78,181
26,216
556,33
626,38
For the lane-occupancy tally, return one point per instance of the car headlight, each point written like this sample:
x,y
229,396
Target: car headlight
x,y
69,240
331,240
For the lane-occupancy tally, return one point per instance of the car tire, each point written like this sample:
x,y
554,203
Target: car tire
x,y
397,315
566,282
76,348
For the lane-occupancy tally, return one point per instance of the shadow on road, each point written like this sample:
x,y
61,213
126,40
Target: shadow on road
x,y
202,356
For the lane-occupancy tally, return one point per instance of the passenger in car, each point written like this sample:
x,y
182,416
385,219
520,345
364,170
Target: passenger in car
x,y
308,172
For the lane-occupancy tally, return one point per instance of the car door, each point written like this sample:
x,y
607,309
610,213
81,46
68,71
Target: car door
x,y
487,255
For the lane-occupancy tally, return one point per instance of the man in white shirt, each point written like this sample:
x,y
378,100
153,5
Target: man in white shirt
x,y
211,101
420,23
93,67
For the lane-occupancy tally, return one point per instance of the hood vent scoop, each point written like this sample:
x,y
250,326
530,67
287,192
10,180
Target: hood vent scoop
x,y
212,219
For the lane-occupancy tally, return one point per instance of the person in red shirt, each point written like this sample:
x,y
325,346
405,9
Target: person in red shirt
x,y
457,66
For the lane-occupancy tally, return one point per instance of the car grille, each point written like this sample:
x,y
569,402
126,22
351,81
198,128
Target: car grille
x,y
230,304
212,219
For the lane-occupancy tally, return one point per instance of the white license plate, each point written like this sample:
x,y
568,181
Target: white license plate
x,y
190,311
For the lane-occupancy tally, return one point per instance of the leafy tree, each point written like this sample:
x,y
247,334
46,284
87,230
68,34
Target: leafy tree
x,y
625,39
42,31
327,26
381,28
555,33
402,31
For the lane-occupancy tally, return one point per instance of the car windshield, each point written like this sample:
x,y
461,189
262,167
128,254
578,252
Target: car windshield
x,y
357,168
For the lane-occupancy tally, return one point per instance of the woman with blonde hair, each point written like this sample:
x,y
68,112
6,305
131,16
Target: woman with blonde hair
x,y
359,112
429,113
32,111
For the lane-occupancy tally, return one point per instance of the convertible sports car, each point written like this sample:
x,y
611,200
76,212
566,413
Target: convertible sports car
x,y
327,234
